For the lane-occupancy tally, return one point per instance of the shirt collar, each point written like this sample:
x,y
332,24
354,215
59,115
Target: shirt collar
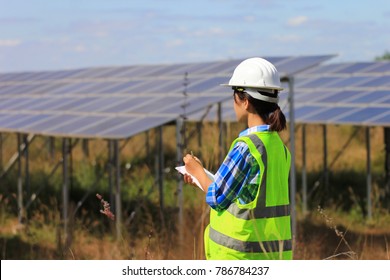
x,y
259,128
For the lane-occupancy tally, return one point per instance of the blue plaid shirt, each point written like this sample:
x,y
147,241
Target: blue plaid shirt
x,y
237,177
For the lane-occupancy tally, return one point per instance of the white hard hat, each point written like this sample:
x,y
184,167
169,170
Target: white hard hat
x,y
255,73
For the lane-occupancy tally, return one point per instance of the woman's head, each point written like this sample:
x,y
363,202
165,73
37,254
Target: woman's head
x,y
257,81
269,112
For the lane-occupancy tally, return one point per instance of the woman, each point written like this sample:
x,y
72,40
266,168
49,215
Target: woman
x,y
249,198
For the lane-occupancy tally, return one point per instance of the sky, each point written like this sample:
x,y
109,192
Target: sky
x,y
39,35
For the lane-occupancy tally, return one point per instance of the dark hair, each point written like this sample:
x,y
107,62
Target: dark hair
x,y
269,112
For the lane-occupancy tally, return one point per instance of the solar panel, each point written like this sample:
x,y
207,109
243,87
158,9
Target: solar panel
x,y
117,102
345,93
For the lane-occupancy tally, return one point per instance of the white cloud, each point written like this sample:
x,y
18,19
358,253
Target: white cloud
x,y
10,42
296,21
79,48
287,38
174,43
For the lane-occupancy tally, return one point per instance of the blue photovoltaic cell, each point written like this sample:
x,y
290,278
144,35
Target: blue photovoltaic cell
x,y
321,69
222,67
377,82
370,97
355,67
338,96
96,129
95,87
167,70
59,75
385,120
28,104
201,102
158,105
122,87
6,121
78,123
328,114
18,89
135,126
72,88
52,121
22,121
76,102
15,103
382,67
276,60
127,105
363,115
305,110
50,103
311,95
298,64
349,82
317,82
207,84
100,104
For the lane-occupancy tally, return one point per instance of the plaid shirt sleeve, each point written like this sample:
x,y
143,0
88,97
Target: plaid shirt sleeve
x,y
239,169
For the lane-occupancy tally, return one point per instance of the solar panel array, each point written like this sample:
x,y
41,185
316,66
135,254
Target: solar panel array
x,y
118,102
343,93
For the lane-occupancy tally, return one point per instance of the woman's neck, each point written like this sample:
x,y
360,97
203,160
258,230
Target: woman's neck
x,y
254,120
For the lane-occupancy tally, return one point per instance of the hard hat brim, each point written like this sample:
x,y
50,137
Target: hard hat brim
x,y
253,87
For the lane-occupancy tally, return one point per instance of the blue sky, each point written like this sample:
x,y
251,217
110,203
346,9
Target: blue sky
x,y
65,34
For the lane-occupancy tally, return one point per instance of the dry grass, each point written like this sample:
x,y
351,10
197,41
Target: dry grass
x,y
335,232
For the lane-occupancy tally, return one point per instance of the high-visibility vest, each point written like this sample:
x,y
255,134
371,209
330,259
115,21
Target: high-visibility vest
x,y
260,229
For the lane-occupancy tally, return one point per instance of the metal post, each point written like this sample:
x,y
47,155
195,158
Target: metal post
x,y
1,152
20,185
369,187
52,148
326,171
118,205
180,183
221,149
85,146
292,151
65,186
304,175
26,170
110,144
160,166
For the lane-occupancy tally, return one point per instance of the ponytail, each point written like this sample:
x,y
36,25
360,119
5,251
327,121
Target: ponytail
x,y
276,120
270,113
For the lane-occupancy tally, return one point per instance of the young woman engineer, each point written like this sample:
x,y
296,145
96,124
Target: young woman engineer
x,y
249,197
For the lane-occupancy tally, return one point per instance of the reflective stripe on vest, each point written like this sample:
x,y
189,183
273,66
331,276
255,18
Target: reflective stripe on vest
x,y
249,247
273,220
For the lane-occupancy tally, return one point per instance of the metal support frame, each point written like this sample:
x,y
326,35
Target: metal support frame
x,y
290,81
221,149
118,199
110,171
65,186
325,163
20,183
180,183
160,165
304,174
369,186
1,151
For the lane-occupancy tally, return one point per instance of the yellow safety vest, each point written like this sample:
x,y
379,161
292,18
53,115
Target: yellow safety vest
x,y
260,229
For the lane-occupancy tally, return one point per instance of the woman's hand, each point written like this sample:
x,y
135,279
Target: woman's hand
x,y
193,165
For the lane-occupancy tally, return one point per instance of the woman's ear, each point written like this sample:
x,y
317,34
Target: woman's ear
x,y
246,103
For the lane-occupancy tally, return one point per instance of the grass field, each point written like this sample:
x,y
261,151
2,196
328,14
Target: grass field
x,y
334,227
